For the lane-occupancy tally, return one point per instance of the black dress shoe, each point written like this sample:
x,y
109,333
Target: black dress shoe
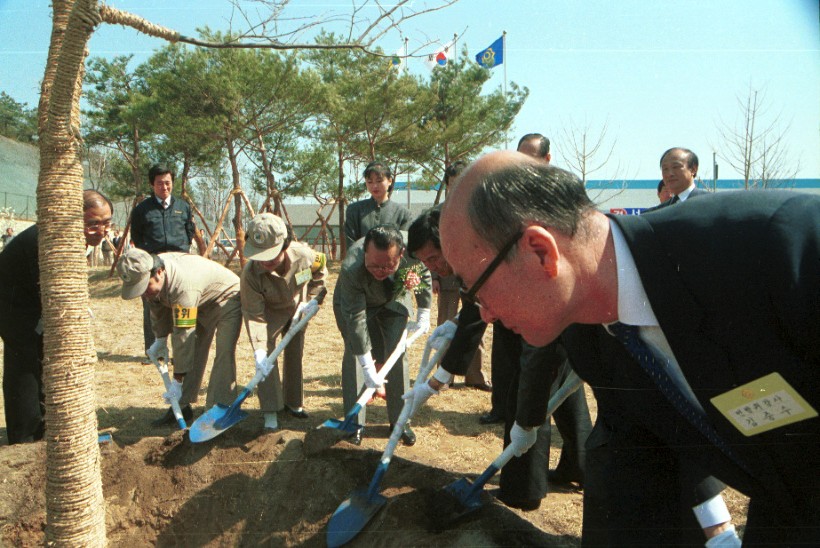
x,y
491,418
356,437
484,386
298,413
168,417
565,481
408,437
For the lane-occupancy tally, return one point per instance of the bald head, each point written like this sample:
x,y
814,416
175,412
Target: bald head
x,y
528,213
503,191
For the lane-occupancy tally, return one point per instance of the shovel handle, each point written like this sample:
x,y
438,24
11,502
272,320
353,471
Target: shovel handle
x,y
166,380
426,367
570,385
286,338
400,349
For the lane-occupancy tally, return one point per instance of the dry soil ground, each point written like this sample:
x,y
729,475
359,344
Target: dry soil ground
x,y
249,487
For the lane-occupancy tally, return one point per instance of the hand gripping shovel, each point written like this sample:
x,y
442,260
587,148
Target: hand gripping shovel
x,y
349,423
220,417
166,379
465,497
354,513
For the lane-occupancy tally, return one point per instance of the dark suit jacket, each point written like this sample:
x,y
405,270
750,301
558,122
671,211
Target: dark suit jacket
x,y
737,298
694,194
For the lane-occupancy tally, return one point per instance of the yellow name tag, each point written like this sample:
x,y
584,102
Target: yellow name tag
x,y
184,316
303,276
763,404
319,262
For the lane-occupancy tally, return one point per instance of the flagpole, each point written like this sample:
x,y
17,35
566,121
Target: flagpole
x,y
406,68
506,54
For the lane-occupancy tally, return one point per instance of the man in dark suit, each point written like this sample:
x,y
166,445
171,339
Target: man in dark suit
x,y
716,365
159,224
679,167
572,417
523,482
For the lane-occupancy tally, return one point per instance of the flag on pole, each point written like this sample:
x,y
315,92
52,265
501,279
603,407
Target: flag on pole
x,y
440,57
493,55
397,59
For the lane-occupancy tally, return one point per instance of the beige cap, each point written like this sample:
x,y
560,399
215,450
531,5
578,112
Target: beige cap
x,y
265,238
134,268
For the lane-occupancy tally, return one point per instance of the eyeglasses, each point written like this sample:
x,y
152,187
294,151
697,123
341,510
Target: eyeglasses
x,y
471,295
386,268
95,226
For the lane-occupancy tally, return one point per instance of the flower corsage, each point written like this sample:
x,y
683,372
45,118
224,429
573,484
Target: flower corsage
x,y
409,279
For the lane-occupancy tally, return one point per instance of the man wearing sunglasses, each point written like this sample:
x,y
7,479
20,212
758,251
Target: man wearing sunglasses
x,y
372,309
702,351
276,287
20,324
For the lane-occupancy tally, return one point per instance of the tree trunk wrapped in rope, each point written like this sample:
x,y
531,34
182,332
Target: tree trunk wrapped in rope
x,y
75,507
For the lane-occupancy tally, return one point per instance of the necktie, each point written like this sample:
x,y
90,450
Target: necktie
x,y
388,283
629,336
674,200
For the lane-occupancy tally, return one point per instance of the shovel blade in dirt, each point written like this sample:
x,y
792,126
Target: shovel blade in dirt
x,y
467,494
215,421
349,423
352,515
221,417
461,497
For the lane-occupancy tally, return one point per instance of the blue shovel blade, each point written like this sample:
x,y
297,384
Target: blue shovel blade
x,y
351,516
466,494
346,425
213,422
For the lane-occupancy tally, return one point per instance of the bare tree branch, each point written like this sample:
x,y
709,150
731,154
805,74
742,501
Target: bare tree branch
x,y
259,35
755,146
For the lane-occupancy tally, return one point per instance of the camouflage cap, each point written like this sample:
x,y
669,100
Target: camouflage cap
x,y
134,268
265,238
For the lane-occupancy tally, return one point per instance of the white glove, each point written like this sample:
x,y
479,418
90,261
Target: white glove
x,y
417,395
174,392
522,439
158,350
442,335
727,539
421,325
304,308
260,357
369,370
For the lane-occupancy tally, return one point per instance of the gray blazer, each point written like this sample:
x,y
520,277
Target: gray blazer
x,y
359,296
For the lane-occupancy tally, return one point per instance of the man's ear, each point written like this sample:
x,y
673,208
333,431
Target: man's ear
x,y
540,241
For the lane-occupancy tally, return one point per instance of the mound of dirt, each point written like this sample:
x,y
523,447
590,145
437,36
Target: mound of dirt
x,y
245,489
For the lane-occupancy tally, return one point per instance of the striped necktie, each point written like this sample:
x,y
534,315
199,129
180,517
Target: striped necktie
x,y
629,336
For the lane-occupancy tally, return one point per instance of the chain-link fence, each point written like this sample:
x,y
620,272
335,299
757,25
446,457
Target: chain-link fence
x,y
24,206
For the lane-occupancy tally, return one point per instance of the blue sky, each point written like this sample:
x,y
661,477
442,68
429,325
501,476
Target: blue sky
x,y
660,73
